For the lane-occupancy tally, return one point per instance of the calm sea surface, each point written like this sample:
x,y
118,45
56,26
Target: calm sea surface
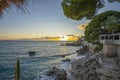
x,y
32,67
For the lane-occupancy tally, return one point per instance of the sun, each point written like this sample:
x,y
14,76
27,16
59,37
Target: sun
x,y
64,38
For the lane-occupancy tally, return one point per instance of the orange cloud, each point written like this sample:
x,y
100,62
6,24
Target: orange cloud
x,y
83,26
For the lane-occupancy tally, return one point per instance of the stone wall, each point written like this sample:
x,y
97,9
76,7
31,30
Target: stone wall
x,y
111,50
118,51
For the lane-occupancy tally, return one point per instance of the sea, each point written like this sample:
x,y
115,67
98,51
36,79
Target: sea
x,y
48,54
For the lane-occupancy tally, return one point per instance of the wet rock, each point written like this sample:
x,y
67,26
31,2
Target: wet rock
x,y
67,59
32,53
60,74
50,73
83,50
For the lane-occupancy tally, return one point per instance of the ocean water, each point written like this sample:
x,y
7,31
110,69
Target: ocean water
x,y
32,67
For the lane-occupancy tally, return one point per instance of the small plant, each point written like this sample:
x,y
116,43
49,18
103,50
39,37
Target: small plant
x,y
17,70
98,48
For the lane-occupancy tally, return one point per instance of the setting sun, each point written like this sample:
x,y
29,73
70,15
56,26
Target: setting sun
x,y
64,38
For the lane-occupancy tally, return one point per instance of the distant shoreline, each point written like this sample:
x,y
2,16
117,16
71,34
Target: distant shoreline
x,y
33,41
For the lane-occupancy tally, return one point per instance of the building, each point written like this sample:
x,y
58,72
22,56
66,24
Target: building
x,y
111,44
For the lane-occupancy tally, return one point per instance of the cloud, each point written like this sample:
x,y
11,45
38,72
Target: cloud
x,y
82,26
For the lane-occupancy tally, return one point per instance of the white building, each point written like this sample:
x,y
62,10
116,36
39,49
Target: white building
x,y
111,44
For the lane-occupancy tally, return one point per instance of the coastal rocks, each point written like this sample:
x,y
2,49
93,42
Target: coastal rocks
x,y
83,50
95,67
76,43
60,74
89,48
83,69
67,59
71,44
118,62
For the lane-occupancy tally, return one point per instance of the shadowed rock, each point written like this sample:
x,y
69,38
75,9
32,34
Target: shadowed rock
x,y
32,53
60,74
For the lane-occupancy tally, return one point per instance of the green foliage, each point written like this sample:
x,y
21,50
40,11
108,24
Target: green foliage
x,y
19,4
111,24
94,29
17,70
74,9
98,48
77,9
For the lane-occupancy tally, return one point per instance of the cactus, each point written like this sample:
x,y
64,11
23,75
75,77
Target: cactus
x,y
17,70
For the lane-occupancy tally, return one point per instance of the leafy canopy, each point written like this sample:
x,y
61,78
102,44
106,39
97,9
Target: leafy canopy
x,y
74,9
102,24
112,24
78,9
6,4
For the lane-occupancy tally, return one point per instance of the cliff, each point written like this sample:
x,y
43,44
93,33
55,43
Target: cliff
x,y
96,65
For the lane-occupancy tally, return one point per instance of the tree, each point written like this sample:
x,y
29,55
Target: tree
x,y
74,9
95,27
5,4
112,24
78,9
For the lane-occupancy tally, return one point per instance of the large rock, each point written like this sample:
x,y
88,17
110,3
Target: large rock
x,y
60,74
83,50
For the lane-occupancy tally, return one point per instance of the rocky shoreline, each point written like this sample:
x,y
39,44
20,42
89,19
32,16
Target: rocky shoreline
x,y
94,66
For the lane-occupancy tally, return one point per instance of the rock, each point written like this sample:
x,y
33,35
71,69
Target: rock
x,y
60,74
67,59
108,74
82,50
118,62
31,53
96,67
50,73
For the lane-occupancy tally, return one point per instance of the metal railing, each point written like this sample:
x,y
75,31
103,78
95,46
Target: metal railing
x,y
110,38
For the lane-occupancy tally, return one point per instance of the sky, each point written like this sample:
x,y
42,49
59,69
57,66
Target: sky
x,y
44,18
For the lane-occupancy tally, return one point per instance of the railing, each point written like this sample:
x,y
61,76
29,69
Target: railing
x,y
110,38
